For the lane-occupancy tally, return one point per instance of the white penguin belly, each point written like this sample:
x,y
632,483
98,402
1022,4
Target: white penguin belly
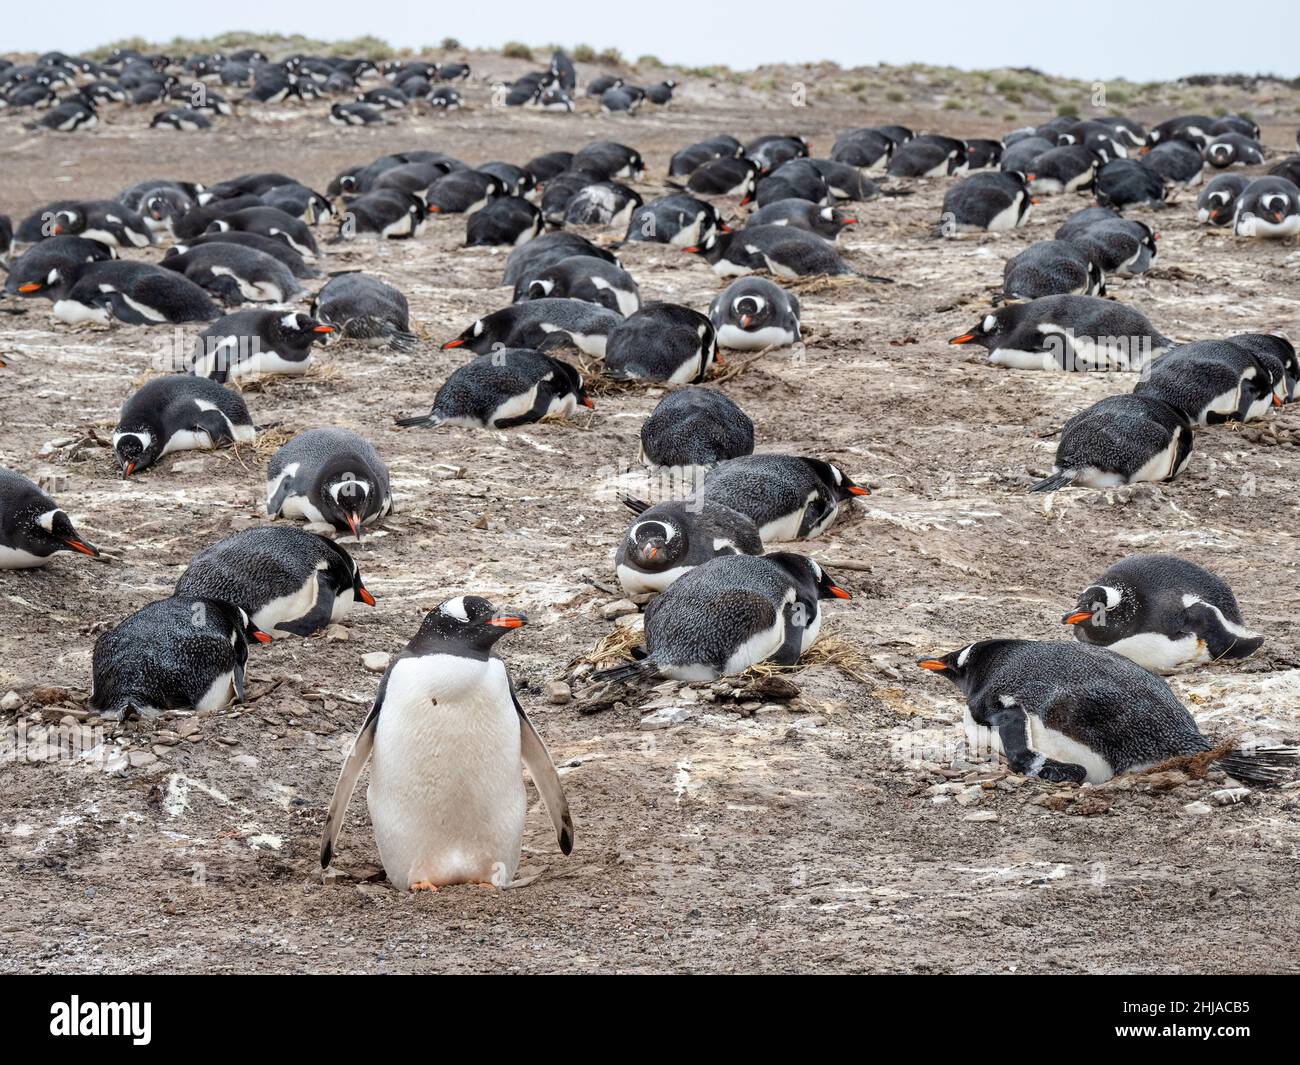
x,y
219,694
75,313
1061,748
514,407
446,793
17,558
732,336
759,647
296,506
288,607
1160,653
269,362
639,582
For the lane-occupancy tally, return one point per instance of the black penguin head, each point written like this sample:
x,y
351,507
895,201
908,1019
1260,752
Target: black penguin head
x,y
809,575
69,220
41,531
986,332
830,220
136,450
836,480
477,330
1105,613
656,545
347,501
298,329
957,665
251,633
468,621
752,311
52,281
345,573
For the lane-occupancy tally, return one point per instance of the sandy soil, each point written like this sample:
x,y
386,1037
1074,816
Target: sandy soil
x,y
712,833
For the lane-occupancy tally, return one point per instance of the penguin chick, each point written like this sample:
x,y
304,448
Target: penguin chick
x,y
329,477
289,582
1164,613
788,497
695,426
445,738
32,527
503,389
666,540
178,413
753,313
1066,712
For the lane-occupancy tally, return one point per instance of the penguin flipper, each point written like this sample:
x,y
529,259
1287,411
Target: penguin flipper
x,y
1220,641
1060,479
318,616
1012,726
283,491
356,759
636,506
540,767
214,423
792,645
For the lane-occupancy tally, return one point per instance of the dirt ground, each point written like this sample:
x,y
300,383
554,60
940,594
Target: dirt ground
x,y
840,831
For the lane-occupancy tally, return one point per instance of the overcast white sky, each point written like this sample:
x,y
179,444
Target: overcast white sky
x,y
1137,39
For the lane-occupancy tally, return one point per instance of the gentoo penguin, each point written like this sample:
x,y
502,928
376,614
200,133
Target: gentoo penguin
x,y
754,313
445,738
361,307
1274,346
626,98
356,113
928,156
541,324
693,155
529,259
1164,613
666,540
662,342
563,72
453,71
1021,155
133,292
6,238
277,249
1126,182
981,153
518,180
385,96
1127,133
177,653
387,212
677,219
662,93
826,222
788,497
796,180
843,182
1239,124
1067,333
560,190
299,201
234,274
29,274
1270,208
1118,245
1233,149
1052,268
178,413
1064,169
783,251
773,149
271,222
106,221
1176,161
867,149
1097,137
32,527
1068,712
508,220
601,84
1120,440
503,389
445,98
412,177
1215,381
1217,203
290,582
328,477
162,207
1192,129
986,203
605,203
729,613
724,177
186,119
580,277
1288,168
256,342
463,192
610,160
546,166
695,426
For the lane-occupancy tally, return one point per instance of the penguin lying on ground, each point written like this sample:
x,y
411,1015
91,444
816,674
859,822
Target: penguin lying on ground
x,y
277,249
463,192
729,613
788,497
580,277
234,273
32,527
446,797
695,426
1068,712
1126,182
1217,203
1052,268
535,256
928,156
693,156
177,653
1118,245
387,212
604,203
289,582
1067,333
1274,346
106,221
610,160
503,389
724,177
1120,440
826,222
784,251
1177,163
662,342
361,307
677,219
132,292
541,324
178,413
866,149
993,203
29,274
798,179
1215,381
271,222
754,313
1270,208
328,477
508,220
1164,613
774,149
666,540
256,342
1233,149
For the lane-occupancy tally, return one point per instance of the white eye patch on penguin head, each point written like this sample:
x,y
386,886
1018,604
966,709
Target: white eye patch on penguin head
x,y
952,665
1103,614
471,622
656,545
346,501
749,310
981,334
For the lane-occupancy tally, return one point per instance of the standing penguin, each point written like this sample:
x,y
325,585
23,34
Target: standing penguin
x,y
754,313
287,580
1164,613
32,527
666,540
178,413
662,342
328,476
177,653
1069,712
503,389
445,738
361,307
788,497
695,426
256,342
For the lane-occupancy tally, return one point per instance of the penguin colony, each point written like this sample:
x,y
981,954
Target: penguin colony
x,y
446,734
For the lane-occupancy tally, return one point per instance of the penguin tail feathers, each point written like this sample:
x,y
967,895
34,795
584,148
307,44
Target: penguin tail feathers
x,y
1264,767
400,340
430,420
626,672
896,193
1060,479
636,506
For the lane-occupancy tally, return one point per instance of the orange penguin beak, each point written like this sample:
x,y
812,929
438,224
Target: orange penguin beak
x,y
323,329
457,343
130,469
31,286
857,490
745,320
1077,617
508,621
354,523
55,229
839,593
365,596
965,338
78,544
262,637
933,663
586,402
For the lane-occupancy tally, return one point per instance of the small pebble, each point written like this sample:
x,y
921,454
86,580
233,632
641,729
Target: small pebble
x,y
376,661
